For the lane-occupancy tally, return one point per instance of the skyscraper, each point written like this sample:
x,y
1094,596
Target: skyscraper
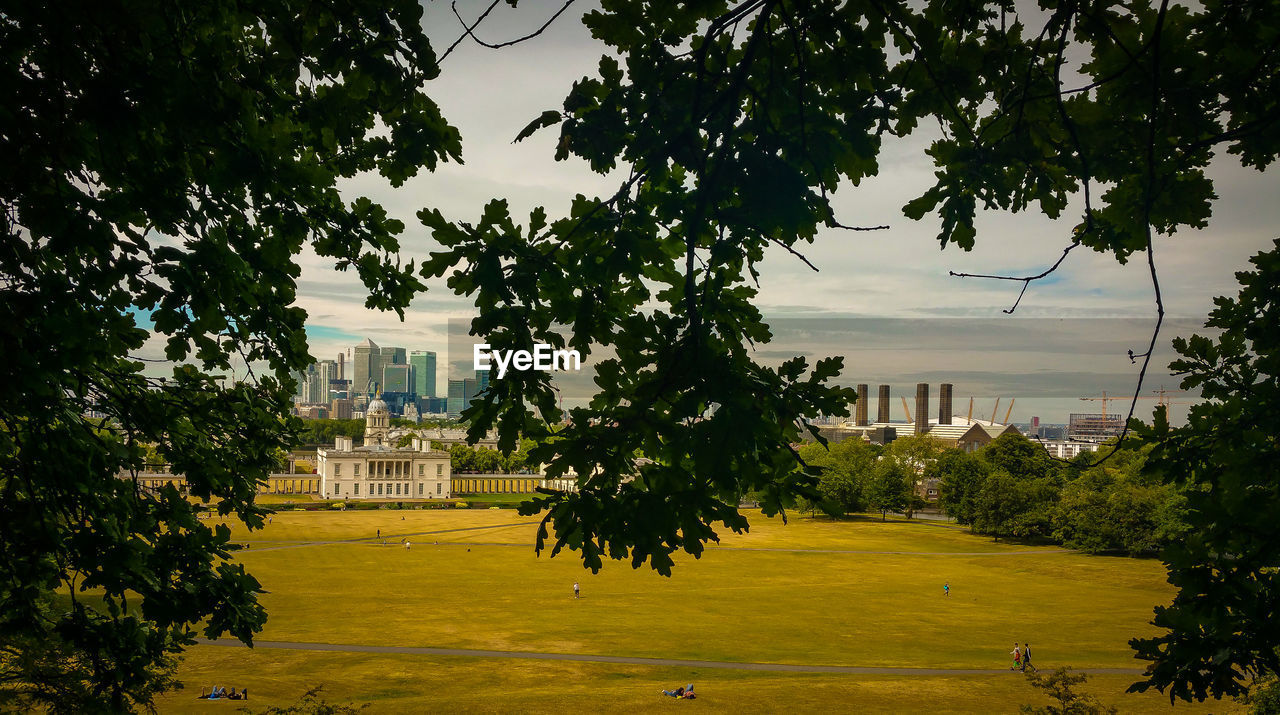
x,y
319,376
424,372
395,378
482,381
457,401
365,366
387,356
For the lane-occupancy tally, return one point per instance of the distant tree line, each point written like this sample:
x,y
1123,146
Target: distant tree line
x,y
320,433
1010,488
483,460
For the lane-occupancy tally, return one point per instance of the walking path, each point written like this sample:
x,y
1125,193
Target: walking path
x,y
628,660
394,540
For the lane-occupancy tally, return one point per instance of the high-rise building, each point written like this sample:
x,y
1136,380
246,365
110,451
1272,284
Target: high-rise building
x,y
387,356
319,375
341,366
365,365
395,378
457,399
300,393
482,381
340,409
423,363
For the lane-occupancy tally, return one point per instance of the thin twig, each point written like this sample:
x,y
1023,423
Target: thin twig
x,y
466,29
832,223
1026,280
508,43
795,253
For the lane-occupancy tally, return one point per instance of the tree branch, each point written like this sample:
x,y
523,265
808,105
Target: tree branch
x,y
1026,280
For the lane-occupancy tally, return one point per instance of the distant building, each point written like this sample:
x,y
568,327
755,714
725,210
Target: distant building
x,y
341,409
319,376
434,406
1066,449
363,365
395,378
1094,428
312,412
457,398
423,363
967,434
379,469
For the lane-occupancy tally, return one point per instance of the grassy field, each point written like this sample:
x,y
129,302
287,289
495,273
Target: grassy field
x,y
855,593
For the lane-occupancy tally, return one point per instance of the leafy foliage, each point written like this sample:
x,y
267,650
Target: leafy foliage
x,y
844,468
310,704
1060,685
1221,631
161,167
960,476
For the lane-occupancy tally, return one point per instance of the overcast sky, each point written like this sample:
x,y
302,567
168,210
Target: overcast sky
x,y
899,273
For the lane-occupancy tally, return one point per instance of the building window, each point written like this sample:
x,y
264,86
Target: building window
x,y
337,469
420,485
379,489
357,470
355,489
439,469
437,488
397,488
337,490
422,469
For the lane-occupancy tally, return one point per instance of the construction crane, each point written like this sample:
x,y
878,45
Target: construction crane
x,y
1162,397
1104,400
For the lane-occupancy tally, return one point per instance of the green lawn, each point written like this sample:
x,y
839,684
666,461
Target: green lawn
x,y
859,592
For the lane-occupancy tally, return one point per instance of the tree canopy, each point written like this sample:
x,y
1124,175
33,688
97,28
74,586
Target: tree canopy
x,y
161,166
1220,631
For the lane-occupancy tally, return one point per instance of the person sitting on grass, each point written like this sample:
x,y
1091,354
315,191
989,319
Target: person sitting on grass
x,y
685,692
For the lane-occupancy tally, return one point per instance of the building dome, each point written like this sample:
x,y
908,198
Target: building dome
x,y
377,407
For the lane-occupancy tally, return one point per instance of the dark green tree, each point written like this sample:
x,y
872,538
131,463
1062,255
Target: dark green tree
x,y
161,165
845,470
1114,506
1011,506
891,486
960,476
1220,632
1018,456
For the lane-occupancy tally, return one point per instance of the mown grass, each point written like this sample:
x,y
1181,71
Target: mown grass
x,y
860,592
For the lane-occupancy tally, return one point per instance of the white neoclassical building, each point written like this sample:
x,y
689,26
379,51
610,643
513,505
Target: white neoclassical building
x,y
380,470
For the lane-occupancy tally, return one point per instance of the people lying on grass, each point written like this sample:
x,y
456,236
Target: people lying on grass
x,y
685,692
218,692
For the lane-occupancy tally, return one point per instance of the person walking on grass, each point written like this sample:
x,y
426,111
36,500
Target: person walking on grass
x,y
946,589
576,591
1017,657
1026,659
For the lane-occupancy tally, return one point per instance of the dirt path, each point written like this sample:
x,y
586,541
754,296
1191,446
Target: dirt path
x,y
675,662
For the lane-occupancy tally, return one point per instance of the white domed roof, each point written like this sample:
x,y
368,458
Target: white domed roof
x,y
377,406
